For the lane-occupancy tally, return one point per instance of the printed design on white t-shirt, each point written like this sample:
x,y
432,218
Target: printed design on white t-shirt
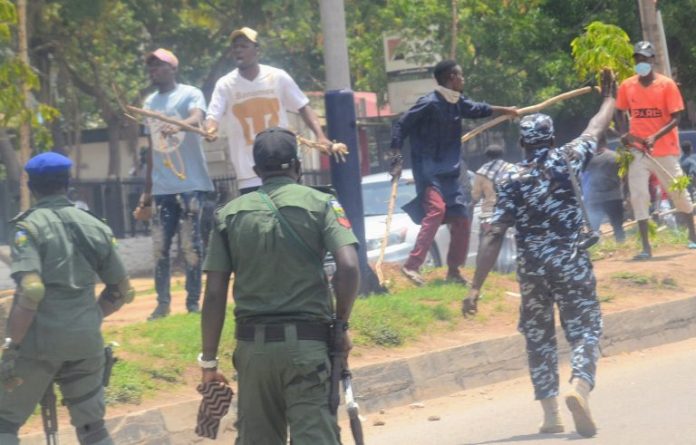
x,y
255,115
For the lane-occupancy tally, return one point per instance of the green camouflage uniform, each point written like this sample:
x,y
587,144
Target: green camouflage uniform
x,y
68,248
283,380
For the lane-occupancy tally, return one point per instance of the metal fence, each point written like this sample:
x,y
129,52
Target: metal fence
x,y
114,200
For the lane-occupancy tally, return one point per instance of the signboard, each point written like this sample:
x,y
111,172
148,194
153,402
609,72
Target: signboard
x,y
408,63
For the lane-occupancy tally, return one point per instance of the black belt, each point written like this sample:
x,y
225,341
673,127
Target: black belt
x,y
276,332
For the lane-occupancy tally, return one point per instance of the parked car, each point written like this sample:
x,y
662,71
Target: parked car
x,y
376,190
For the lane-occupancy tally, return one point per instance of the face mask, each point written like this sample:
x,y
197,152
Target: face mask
x,y
643,69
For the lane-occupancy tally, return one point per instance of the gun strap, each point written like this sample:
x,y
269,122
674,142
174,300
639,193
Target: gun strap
x,y
311,255
79,240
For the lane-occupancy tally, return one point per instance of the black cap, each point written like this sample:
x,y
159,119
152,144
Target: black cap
x,y
274,149
644,48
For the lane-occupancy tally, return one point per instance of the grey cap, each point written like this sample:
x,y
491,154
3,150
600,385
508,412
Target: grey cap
x,y
644,48
275,148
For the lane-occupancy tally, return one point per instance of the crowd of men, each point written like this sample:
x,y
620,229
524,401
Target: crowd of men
x,y
289,319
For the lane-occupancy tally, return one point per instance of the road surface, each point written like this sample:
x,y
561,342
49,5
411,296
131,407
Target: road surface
x,y
642,398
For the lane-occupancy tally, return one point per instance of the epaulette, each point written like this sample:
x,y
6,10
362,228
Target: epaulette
x,y
324,189
21,215
102,220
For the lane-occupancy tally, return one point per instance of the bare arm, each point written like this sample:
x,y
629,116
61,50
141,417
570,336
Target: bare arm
x,y
18,323
600,121
213,312
147,194
650,140
510,111
310,118
346,280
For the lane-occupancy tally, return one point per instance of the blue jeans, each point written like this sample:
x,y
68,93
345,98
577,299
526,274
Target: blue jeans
x,y
178,213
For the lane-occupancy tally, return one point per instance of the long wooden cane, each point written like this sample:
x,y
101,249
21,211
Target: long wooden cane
x,y
168,119
526,110
387,228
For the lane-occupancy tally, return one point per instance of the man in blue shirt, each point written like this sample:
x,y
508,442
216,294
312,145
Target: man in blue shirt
x,y
177,177
434,125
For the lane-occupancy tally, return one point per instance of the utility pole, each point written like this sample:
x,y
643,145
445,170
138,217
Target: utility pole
x,y
24,129
653,31
341,126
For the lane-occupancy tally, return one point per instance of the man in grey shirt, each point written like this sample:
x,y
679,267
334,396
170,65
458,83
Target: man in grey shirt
x,y
602,190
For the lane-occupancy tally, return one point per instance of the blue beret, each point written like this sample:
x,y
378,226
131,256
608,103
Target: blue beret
x,y
48,163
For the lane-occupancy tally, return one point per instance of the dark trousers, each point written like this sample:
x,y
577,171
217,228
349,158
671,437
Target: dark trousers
x,y
612,209
178,213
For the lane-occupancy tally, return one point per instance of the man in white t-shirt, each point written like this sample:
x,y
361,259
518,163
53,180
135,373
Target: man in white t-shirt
x,y
250,99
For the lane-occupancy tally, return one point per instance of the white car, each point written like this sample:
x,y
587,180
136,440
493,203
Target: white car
x,y
376,190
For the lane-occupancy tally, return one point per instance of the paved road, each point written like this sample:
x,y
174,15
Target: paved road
x,y
643,398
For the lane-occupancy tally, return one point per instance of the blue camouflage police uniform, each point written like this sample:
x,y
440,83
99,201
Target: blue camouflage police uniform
x,y
538,199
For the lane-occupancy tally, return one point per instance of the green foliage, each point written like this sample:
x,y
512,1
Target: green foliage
x,y
624,159
8,16
680,184
603,46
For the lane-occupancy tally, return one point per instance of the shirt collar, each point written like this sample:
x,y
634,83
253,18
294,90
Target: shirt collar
x,y
53,201
275,181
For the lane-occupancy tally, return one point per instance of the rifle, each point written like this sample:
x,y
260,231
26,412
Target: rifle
x,y
49,413
589,236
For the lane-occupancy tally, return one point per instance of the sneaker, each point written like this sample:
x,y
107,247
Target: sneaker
x,y
456,277
161,311
642,256
413,275
193,308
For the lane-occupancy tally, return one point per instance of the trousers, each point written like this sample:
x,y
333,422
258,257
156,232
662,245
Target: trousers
x,y
80,382
283,385
435,215
575,295
178,213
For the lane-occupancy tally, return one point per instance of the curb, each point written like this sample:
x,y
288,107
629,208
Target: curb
x,y
428,375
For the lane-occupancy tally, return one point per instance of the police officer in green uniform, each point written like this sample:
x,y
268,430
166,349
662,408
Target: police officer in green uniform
x,y
54,325
274,241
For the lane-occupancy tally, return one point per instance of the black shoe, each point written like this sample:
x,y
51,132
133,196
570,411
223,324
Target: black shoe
x,y
193,308
456,277
161,311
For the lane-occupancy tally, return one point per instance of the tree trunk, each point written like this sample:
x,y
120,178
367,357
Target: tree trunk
x,y
9,157
114,133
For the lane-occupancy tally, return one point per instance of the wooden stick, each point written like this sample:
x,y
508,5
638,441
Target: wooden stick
x,y
387,228
167,119
634,222
526,110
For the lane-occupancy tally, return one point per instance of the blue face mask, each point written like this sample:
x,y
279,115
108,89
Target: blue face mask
x,y
643,69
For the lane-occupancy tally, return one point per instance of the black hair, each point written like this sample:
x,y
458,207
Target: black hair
x,y
494,151
56,184
686,147
442,71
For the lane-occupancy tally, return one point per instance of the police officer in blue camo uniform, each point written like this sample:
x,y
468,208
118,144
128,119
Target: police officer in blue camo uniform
x,y
552,267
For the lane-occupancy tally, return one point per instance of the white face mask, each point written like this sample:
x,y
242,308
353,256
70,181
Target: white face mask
x,y
643,69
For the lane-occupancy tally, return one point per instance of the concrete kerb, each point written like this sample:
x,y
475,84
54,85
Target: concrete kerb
x,y
433,374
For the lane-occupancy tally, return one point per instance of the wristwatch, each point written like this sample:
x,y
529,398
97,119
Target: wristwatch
x,y
9,344
207,364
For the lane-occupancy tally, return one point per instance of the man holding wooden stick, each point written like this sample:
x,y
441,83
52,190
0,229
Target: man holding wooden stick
x,y
177,176
434,125
654,104
250,99
553,267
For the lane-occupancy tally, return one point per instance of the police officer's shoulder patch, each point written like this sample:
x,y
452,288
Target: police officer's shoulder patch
x,y
21,238
340,213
